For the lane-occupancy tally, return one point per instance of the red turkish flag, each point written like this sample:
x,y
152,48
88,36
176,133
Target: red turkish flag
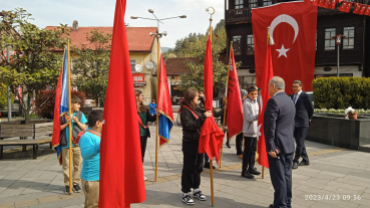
x,y
367,11
211,136
345,7
121,167
264,78
357,8
321,3
293,28
348,8
326,3
363,9
332,4
314,2
234,116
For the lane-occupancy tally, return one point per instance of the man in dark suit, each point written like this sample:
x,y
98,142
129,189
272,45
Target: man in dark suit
x,y
278,129
303,115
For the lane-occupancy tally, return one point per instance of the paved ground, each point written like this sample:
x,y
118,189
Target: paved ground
x,y
333,172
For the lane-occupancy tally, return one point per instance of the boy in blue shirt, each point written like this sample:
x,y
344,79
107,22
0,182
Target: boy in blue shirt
x,y
90,150
78,120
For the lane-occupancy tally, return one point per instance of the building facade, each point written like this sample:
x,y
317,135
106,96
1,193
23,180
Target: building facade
x,y
353,50
142,50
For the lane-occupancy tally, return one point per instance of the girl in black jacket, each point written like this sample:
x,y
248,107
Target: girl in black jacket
x,y
192,119
144,118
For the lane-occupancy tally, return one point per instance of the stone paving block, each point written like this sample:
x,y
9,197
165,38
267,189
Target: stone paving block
x,y
9,205
26,203
49,199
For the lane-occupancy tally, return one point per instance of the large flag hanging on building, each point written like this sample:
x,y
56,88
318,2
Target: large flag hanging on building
x,y
121,168
164,106
211,135
234,112
293,28
264,80
61,105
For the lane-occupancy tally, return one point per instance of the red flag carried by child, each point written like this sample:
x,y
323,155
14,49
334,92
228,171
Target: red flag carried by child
x,y
234,116
121,167
211,136
264,78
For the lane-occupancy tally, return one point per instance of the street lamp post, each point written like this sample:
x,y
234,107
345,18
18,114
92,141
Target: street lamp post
x,y
338,42
158,35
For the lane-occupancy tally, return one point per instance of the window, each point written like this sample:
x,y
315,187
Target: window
x,y
253,3
133,63
349,40
329,41
237,44
267,2
250,45
239,4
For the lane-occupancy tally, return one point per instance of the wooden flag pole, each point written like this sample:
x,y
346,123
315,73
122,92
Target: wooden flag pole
x,y
157,121
226,101
70,116
263,172
210,159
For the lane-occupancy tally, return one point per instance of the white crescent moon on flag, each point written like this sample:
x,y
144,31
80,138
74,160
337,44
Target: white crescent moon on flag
x,y
287,19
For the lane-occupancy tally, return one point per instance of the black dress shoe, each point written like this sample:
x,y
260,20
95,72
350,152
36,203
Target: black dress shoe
x,y
206,165
228,144
253,171
247,175
304,163
295,165
271,206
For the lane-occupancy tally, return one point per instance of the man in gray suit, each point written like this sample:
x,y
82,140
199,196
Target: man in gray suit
x,y
278,129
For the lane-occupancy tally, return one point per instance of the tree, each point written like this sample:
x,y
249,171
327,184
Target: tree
x,y
197,48
31,65
92,65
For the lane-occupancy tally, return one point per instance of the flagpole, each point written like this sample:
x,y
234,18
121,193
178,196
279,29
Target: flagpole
x,y
157,122
210,159
70,116
268,43
226,101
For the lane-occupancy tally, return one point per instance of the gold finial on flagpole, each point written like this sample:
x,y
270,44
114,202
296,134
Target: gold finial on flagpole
x,y
270,41
211,11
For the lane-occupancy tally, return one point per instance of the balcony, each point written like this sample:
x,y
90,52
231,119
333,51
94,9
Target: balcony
x,y
238,15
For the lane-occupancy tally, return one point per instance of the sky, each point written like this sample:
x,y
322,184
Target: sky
x,y
101,13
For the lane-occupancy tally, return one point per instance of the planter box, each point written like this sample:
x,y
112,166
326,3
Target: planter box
x,y
340,132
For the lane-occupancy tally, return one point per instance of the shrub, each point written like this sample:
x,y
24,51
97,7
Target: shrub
x,y
45,102
342,92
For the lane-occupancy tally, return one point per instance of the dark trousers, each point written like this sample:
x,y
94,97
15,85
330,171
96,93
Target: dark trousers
x,y
192,167
239,144
143,141
249,155
281,178
300,137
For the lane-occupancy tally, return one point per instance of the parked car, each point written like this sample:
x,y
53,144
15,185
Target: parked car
x,y
89,103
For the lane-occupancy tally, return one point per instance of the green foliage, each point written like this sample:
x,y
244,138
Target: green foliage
x,y
195,46
92,65
3,96
334,92
32,66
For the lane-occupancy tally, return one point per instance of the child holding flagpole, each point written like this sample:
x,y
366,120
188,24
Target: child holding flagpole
x,y
192,119
78,120
144,117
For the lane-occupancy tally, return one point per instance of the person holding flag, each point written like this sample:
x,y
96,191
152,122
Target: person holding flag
x,y
192,119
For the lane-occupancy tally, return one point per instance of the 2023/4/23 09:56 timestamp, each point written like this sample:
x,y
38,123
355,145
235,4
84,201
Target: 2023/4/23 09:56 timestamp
x,y
332,197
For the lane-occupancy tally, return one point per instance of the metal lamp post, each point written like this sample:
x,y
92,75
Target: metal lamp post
x,y
338,42
158,35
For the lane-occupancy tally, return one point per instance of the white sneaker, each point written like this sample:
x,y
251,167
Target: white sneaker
x,y
145,178
187,199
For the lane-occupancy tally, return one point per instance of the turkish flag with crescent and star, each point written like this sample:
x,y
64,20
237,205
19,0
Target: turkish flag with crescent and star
x,y
293,28
357,8
367,11
362,11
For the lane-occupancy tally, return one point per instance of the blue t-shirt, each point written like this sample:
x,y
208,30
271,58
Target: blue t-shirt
x,y
83,121
152,107
90,151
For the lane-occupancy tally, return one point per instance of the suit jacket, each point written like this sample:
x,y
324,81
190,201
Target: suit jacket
x,y
304,110
279,124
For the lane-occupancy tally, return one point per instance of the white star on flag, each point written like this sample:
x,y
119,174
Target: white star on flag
x,y
282,51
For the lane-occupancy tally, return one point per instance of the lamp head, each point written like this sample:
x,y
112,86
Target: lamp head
x,y
133,17
164,33
151,11
183,16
